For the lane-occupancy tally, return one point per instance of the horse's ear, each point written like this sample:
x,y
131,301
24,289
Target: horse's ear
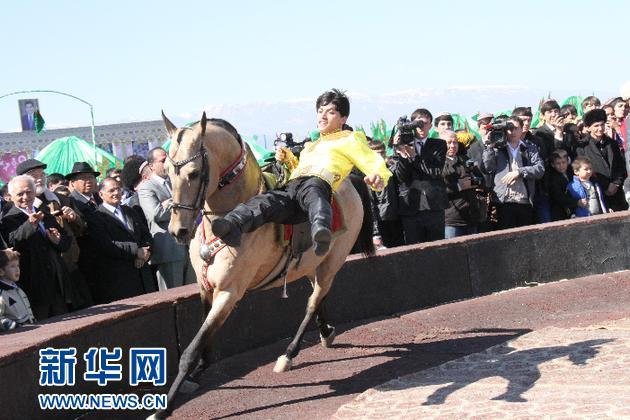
x,y
170,127
203,123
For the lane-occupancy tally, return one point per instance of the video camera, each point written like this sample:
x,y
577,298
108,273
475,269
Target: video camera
x,y
286,139
476,176
498,131
406,128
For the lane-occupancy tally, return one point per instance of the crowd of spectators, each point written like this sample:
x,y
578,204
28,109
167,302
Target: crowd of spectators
x,y
512,175
77,242
69,242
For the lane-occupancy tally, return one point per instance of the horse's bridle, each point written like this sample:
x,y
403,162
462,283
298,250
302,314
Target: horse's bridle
x,y
227,176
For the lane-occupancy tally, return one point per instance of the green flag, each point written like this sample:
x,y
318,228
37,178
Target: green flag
x,y
39,122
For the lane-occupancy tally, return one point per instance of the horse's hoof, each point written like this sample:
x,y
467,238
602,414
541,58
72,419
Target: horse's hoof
x,y
188,387
283,364
327,341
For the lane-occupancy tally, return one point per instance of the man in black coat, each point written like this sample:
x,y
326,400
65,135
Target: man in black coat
x,y
40,240
84,198
124,244
418,167
609,167
68,217
551,132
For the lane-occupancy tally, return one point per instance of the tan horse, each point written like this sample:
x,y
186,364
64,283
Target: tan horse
x,y
212,170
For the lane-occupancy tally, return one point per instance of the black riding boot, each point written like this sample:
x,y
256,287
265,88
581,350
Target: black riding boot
x,y
240,220
320,216
274,207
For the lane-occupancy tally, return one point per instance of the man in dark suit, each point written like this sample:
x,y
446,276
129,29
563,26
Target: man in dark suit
x,y
68,217
418,168
28,118
170,258
551,133
609,168
124,244
82,180
40,240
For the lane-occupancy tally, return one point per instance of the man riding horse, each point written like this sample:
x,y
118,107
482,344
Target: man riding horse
x,y
322,167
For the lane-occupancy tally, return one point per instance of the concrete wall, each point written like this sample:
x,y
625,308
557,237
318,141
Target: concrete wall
x,y
394,281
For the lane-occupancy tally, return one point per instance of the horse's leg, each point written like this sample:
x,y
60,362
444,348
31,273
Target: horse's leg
x,y
222,304
190,384
326,331
320,290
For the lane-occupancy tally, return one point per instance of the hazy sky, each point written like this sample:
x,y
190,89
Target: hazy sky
x,y
131,59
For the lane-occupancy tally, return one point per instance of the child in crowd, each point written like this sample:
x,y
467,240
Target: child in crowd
x,y
15,308
588,192
557,180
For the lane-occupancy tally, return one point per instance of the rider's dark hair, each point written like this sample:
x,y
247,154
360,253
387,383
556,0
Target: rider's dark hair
x,y
337,98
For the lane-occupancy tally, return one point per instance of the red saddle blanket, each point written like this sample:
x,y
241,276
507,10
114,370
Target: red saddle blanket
x,y
336,224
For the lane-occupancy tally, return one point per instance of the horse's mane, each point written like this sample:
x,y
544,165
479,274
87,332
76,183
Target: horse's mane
x,y
226,126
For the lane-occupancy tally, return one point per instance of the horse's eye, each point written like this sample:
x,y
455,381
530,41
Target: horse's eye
x,y
193,175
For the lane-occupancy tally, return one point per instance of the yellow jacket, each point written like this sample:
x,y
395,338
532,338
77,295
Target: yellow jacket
x,y
332,157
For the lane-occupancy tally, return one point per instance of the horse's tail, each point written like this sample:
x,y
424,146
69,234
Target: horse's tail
x,y
364,243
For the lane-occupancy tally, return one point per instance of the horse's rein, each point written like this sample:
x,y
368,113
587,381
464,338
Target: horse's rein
x,y
233,171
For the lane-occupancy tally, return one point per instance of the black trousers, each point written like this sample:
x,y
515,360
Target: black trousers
x,y
391,233
285,206
425,226
511,215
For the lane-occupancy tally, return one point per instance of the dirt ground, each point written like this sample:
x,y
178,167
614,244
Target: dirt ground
x,y
377,350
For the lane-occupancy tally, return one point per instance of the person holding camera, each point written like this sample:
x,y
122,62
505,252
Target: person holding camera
x,y
551,132
418,165
462,180
515,166
387,228
609,167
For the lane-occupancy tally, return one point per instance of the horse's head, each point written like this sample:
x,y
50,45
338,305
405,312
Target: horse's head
x,y
197,158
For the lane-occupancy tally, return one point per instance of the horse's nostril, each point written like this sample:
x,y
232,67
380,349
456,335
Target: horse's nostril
x,y
182,232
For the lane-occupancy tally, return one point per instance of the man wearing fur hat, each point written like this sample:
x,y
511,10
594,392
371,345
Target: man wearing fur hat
x,y
608,164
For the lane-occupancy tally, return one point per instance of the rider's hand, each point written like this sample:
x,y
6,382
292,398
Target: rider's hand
x,y
375,181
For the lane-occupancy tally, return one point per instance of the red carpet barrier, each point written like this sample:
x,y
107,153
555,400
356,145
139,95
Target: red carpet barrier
x,y
396,280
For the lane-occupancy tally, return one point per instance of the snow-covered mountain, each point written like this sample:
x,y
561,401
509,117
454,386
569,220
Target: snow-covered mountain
x,y
265,119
